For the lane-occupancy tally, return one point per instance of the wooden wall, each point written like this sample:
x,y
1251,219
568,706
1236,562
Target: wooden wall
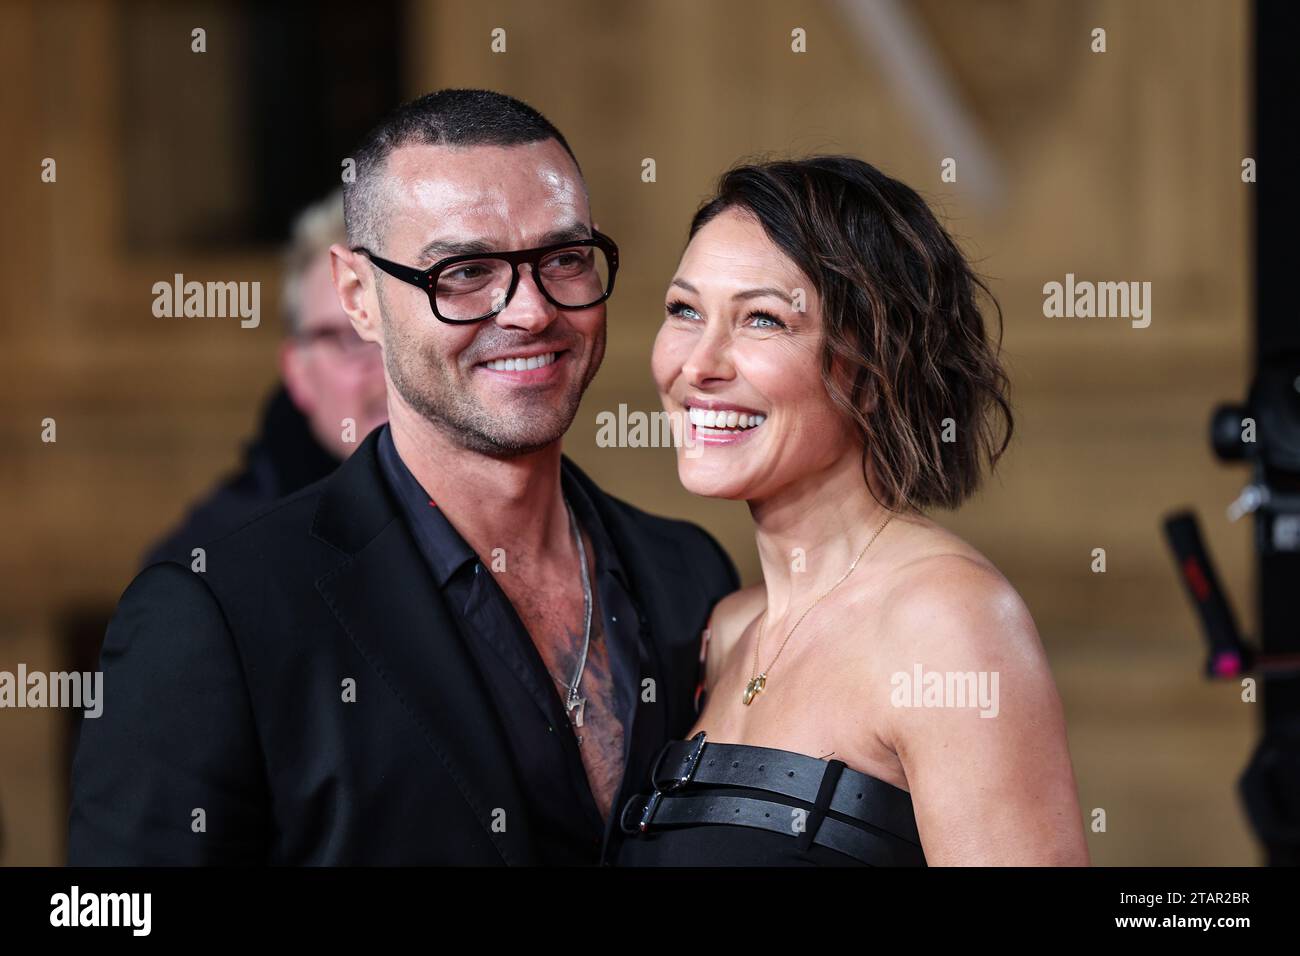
x,y
1123,165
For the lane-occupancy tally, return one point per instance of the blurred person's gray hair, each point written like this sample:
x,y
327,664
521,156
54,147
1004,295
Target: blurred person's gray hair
x,y
314,230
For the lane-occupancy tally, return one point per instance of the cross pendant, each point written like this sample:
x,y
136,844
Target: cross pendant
x,y
754,688
579,704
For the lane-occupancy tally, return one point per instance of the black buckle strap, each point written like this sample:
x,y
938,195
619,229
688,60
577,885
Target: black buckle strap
x,y
687,760
685,772
825,791
864,798
717,807
686,755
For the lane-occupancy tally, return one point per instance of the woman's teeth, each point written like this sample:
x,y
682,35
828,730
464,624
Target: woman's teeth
x,y
734,421
521,364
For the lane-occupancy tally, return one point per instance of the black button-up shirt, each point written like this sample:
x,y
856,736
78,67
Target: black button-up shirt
x,y
565,823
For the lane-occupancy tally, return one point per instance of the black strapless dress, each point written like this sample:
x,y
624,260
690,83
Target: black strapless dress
x,y
718,804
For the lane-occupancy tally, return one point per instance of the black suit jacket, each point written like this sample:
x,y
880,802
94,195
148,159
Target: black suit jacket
x,y
225,738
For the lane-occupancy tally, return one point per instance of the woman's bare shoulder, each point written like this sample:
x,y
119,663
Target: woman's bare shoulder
x,y
942,602
951,623
949,609
937,568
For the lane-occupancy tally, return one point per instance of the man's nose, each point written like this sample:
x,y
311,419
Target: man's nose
x,y
528,308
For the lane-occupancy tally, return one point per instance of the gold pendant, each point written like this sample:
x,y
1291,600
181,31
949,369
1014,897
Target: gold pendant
x,y
754,688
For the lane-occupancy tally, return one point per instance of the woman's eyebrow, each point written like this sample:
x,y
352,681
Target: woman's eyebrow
x,y
744,293
765,290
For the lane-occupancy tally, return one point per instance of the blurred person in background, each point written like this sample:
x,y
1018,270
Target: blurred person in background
x,y
329,374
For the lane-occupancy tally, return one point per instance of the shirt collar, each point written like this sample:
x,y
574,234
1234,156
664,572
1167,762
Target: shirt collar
x,y
442,544
448,552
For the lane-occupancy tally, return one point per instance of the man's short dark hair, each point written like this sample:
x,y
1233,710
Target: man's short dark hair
x,y
442,118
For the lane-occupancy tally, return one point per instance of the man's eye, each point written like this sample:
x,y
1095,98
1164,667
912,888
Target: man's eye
x,y
570,260
466,272
682,310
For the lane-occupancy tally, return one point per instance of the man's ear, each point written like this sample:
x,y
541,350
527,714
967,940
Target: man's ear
x,y
354,283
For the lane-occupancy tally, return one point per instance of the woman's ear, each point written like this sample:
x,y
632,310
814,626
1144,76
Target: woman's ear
x,y
870,396
855,384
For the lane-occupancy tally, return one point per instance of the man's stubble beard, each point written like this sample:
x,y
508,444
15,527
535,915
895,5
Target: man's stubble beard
x,y
421,378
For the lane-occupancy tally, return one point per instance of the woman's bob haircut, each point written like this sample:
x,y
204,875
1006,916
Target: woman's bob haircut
x,y
904,352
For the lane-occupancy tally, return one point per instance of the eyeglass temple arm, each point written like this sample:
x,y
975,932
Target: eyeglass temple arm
x,y
394,269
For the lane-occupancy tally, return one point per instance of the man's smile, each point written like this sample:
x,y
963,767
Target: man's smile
x,y
525,366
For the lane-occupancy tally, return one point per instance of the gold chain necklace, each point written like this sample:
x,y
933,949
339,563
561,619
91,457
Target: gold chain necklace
x,y
758,682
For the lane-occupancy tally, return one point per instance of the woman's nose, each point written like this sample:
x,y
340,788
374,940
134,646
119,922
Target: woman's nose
x,y
710,359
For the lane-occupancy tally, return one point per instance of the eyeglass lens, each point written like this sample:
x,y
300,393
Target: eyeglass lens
x,y
574,277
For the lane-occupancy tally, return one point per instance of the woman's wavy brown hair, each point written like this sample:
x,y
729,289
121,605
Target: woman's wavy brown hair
x,y
904,346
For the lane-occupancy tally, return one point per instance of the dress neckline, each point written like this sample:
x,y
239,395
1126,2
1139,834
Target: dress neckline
x,y
701,782
709,742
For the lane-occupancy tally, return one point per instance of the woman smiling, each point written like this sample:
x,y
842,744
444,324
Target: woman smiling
x,y
823,335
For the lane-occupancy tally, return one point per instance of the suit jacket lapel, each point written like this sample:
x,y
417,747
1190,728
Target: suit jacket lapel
x,y
387,602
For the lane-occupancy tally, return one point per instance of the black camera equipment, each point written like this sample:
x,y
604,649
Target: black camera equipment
x,y
1265,434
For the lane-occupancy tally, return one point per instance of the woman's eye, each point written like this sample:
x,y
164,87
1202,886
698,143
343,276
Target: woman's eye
x,y
682,310
765,320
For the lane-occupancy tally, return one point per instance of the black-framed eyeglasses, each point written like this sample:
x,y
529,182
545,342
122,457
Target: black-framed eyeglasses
x,y
576,274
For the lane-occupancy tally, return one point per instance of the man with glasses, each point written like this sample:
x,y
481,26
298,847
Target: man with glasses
x,y
457,649
332,394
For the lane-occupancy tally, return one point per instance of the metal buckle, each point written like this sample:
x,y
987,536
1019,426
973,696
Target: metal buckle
x,y
692,761
622,817
651,806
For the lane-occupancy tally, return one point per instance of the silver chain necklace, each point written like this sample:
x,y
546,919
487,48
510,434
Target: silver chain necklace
x,y
573,701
